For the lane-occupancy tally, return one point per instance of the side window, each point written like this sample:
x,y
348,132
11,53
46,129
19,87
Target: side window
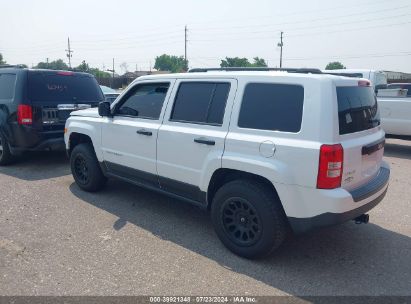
x,y
201,102
7,86
144,101
274,107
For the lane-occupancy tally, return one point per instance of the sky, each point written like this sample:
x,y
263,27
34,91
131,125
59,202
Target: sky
x,y
372,34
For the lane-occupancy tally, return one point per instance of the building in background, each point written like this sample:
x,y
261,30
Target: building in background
x,y
397,76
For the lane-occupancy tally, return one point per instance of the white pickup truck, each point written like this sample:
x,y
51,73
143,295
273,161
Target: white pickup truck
x,y
395,116
395,109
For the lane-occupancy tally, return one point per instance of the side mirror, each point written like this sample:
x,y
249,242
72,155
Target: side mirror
x,y
104,109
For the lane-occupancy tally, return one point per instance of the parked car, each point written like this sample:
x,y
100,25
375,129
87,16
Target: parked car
x,y
34,106
378,78
109,94
263,150
403,86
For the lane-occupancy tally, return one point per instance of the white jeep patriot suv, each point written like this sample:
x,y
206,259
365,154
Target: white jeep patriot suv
x,y
264,150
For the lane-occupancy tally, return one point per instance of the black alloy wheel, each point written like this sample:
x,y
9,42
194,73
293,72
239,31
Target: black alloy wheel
x,y
241,221
81,169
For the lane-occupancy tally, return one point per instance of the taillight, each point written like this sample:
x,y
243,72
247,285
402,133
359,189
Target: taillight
x,y
330,168
364,83
24,115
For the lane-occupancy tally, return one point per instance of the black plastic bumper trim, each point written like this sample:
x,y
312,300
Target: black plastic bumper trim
x,y
303,225
53,143
372,187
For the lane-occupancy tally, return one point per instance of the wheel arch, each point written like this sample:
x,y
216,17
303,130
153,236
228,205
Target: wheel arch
x,y
75,139
224,175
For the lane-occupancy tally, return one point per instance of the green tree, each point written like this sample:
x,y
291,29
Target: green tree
x,y
259,62
99,73
336,65
234,62
174,64
83,67
58,64
1,59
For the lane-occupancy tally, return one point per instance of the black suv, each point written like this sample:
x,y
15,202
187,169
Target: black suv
x,y
35,104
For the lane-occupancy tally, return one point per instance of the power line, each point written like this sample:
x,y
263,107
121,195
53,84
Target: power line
x,y
305,12
305,28
303,34
387,54
84,44
352,56
348,30
362,14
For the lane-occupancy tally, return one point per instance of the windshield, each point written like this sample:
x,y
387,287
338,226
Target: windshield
x,y
107,90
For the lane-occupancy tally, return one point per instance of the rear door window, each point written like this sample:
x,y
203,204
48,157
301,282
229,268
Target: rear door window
x,y
201,102
7,86
61,87
357,109
273,107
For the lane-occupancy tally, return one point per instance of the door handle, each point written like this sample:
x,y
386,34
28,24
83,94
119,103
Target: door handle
x,y
204,141
144,132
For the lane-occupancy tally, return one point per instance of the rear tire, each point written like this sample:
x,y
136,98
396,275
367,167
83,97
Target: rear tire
x,y
248,218
86,168
6,157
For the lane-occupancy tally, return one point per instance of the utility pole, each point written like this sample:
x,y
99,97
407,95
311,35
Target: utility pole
x,y
281,44
47,62
185,47
69,51
112,71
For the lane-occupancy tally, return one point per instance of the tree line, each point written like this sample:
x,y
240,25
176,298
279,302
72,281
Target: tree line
x,y
171,63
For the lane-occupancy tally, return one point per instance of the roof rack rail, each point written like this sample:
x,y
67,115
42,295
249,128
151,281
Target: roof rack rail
x,y
289,70
353,75
5,66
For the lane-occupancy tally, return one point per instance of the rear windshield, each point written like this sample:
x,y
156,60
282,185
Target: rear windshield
x,y
357,109
55,87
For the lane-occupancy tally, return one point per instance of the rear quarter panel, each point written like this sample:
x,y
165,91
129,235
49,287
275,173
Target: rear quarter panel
x,y
295,155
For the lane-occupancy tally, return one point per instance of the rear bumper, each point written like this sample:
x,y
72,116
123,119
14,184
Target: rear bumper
x,y
27,138
345,205
49,144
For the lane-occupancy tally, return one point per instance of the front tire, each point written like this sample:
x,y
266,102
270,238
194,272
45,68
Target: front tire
x,y
5,155
86,168
248,218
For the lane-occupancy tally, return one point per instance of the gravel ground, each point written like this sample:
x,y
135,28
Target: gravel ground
x,y
57,240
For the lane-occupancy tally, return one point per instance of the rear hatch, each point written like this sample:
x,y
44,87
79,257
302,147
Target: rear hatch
x,y
55,94
360,133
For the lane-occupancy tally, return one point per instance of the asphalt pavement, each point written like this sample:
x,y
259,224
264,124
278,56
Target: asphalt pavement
x,y
58,240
